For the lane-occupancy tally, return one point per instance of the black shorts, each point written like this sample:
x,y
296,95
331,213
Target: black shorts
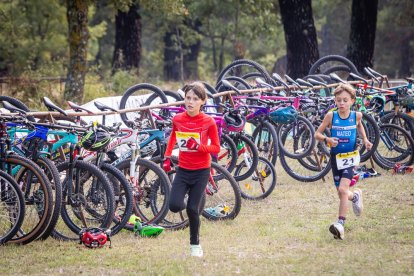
x,y
347,173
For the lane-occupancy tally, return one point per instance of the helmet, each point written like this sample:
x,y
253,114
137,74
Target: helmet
x,y
376,103
144,230
94,237
308,105
284,115
234,122
95,140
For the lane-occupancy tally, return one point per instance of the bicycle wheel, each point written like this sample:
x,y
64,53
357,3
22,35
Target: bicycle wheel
x,y
296,140
52,174
129,99
238,82
309,162
37,192
396,146
123,197
171,96
266,140
325,63
12,207
178,220
373,134
261,184
242,67
247,152
400,119
151,191
294,167
227,157
223,198
88,196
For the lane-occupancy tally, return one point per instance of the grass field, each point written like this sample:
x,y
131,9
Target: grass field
x,y
286,233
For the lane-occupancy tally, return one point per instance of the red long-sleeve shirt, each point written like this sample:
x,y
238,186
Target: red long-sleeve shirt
x,y
200,127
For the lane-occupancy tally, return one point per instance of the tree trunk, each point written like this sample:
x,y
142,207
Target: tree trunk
x,y
77,16
172,57
191,52
300,35
362,36
128,30
191,61
406,56
180,58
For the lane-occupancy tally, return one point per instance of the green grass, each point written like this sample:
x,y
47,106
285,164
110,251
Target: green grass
x,y
286,233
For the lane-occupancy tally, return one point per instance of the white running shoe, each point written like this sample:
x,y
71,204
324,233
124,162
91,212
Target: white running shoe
x,y
337,230
357,205
196,250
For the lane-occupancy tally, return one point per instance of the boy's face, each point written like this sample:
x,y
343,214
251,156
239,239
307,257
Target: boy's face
x,y
344,101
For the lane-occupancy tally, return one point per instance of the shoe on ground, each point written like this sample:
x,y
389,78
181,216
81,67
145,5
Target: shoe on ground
x,y
357,204
372,172
196,250
337,230
218,211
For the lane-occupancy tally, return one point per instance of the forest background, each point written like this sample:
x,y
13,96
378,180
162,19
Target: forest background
x,y
82,50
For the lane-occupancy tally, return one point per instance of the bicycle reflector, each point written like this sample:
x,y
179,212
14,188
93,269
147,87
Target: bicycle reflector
x,y
94,237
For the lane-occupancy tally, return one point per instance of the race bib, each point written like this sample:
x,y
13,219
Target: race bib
x,y
347,159
183,137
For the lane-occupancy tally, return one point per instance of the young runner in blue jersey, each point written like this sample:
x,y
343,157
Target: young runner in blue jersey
x,y
344,125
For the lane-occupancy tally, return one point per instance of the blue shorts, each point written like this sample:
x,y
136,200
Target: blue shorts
x,y
347,173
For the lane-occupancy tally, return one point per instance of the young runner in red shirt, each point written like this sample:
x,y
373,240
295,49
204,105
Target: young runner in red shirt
x,y
197,137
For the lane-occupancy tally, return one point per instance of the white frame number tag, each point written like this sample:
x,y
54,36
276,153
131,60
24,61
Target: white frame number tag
x,y
183,137
347,160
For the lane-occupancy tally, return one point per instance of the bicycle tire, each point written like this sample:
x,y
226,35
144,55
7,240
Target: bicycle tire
x,y
227,156
12,199
53,175
236,80
219,195
315,68
390,162
269,147
123,197
309,161
232,67
305,128
179,220
136,88
102,198
297,171
372,132
400,119
38,198
255,188
250,152
146,196
338,68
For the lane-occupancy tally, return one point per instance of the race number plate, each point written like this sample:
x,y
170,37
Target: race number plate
x,y
348,159
182,139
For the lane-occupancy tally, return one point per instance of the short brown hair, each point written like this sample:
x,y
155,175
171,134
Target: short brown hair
x,y
198,88
343,87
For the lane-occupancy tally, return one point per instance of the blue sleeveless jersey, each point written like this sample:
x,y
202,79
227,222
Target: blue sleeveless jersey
x,y
346,132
